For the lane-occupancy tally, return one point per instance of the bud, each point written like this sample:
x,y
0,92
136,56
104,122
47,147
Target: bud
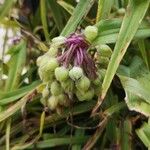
x,y
52,51
82,96
76,73
83,83
63,100
51,64
42,60
68,86
45,92
52,102
91,32
61,73
56,88
45,75
104,50
57,41
89,94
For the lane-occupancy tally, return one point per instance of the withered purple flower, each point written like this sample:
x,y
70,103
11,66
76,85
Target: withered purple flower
x,y
76,54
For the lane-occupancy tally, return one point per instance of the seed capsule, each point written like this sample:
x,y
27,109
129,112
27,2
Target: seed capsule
x,y
61,73
83,83
52,102
52,51
56,88
57,41
76,73
91,32
104,50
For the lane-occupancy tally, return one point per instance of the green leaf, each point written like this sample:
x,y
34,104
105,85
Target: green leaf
x,y
68,7
144,134
5,8
142,48
8,97
57,14
134,15
126,132
43,10
16,64
104,8
60,141
137,94
14,108
79,13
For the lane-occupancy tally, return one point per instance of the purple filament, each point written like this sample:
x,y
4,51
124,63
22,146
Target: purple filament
x,y
76,54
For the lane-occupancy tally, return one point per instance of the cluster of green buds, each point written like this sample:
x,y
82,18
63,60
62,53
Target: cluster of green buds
x,y
69,71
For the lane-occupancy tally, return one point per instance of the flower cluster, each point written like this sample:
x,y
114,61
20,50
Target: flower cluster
x,y
69,71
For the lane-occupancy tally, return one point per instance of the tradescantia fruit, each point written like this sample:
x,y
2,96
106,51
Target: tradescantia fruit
x,y
70,71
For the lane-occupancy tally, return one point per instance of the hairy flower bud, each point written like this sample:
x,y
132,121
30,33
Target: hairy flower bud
x,y
82,96
56,88
68,86
52,51
52,102
104,50
90,33
57,41
63,100
76,73
61,73
45,92
83,83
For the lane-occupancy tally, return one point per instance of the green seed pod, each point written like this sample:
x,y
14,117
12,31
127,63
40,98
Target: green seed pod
x,y
45,92
68,86
97,90
83,83
61,73
76,73
63,100
57,41
52,51
52,102
104,50
56,88
90,33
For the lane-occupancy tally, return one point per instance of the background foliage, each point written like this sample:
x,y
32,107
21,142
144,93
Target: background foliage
x,y
120,116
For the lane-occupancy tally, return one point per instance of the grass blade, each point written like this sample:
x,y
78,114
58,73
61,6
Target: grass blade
x,y
43,9
134,15
79,13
